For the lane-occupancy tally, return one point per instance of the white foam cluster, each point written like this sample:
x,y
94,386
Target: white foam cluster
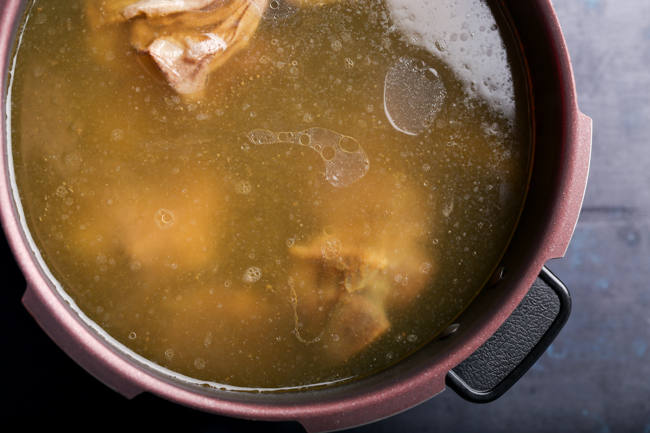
x,y
464,34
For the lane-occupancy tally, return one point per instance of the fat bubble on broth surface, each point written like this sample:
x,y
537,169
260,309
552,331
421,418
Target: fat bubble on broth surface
x,y
320,190
413,95
345,160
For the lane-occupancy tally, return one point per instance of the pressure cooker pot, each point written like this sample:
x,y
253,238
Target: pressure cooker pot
x,y
493,342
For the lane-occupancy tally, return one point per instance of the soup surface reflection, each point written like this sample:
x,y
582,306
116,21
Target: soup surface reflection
x,y
324,201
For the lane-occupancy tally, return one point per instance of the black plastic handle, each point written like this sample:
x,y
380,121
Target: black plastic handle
x,y
506,356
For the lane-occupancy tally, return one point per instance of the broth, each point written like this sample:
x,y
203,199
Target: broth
x,y
333,198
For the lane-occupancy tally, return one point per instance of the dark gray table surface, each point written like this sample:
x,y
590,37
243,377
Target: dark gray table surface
x,y
596,375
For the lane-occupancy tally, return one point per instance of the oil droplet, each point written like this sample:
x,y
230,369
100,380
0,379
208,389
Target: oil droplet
x,y
252,274
117,134
331,248
243,187
132,335
164,219
61,191
199,363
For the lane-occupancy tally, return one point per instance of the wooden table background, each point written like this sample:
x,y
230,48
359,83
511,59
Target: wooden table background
x,y
596,375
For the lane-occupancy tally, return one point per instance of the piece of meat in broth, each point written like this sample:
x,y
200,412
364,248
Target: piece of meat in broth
x,y
355,324
189,39
166,7
339,301
186,69
185,39
163,225
347,282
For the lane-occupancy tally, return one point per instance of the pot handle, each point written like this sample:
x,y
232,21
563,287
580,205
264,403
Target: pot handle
x,y
506,356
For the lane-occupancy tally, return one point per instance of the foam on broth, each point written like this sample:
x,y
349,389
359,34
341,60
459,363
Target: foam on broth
x,y
199,236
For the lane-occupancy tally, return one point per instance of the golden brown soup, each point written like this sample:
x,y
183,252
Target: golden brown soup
x,y
332,198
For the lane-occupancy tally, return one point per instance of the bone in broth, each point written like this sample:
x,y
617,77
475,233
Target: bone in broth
x,y
269,194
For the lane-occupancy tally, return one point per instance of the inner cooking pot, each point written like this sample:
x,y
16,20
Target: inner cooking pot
x,y
559,174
